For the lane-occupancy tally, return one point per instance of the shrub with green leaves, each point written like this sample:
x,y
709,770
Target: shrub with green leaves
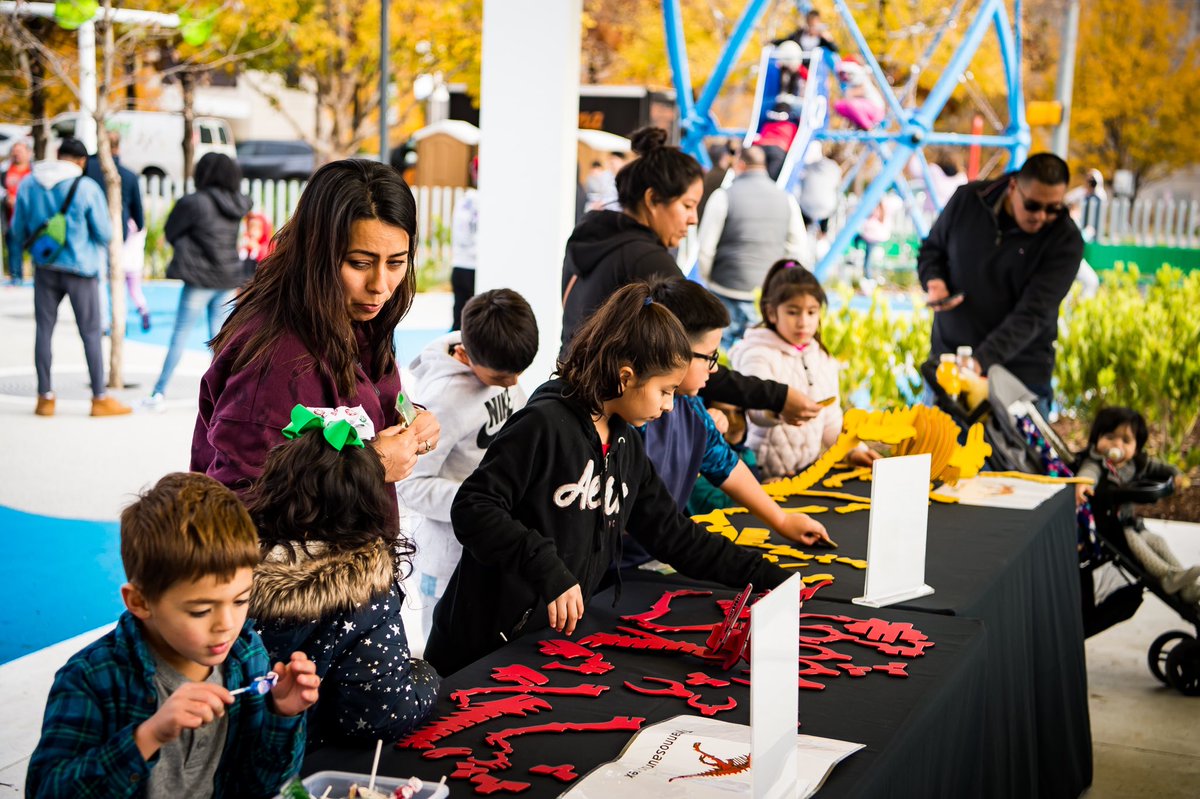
x,y
1136,343
880,351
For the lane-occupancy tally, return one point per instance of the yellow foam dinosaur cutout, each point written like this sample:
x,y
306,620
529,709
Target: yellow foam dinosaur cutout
x,y
909,431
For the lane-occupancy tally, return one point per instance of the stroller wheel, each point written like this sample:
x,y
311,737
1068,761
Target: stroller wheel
x,y
1161,649
1183,667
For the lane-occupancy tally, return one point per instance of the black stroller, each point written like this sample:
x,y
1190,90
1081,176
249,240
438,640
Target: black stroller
x,y
1022,440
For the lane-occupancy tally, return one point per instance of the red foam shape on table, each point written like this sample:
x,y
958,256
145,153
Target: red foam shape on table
x,y
814,669
564,773
519,673
487,784
838,618
562,648
662,607
809,651
809,685
446,751
499,762
466,770
595,665
641,640
426,736
882,635
894,669
711,710
809,591
674,689
831,634
615,724
853,670
463,696
700,678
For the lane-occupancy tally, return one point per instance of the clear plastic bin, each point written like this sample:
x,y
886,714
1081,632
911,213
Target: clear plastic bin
x,y
341,781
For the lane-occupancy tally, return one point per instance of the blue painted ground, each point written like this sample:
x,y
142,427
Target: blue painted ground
x,y
163,299
63,579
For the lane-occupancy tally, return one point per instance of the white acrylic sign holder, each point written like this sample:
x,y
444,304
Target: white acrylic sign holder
x,y
774,701
898,528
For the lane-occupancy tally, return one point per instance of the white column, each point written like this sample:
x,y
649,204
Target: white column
x,y
86,129
529,117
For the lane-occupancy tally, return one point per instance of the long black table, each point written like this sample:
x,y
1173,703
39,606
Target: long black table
x,y
923,734
1017,571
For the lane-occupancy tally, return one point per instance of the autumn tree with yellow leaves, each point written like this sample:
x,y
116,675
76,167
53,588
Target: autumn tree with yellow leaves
x,y
1137,89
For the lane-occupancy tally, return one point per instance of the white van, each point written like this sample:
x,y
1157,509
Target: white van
x,y
152,141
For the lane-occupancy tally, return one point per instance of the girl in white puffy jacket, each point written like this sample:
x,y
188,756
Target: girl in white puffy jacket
x,y
787,348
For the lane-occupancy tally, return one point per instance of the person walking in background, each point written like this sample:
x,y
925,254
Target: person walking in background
x,y
749,226
463,246
721,154
203,229
19,166
133,230
61,218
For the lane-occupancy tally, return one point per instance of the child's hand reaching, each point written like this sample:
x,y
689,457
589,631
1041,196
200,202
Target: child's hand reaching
x,y
1083,492
862,456
296,690
566,610
190,707
804,529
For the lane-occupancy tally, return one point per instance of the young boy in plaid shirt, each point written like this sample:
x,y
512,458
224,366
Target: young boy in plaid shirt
x,y
147,709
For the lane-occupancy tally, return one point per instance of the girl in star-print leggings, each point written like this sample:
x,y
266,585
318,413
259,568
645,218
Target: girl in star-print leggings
x,y
329,583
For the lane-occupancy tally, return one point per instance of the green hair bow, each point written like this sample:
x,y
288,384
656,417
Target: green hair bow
x,y
339,434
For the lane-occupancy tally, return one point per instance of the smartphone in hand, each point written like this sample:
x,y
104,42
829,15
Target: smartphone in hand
x,y
941,304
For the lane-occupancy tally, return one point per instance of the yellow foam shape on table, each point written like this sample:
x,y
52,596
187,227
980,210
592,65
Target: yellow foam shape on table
x,y
713,521
853,506
733,511
834,495
861,473
967,460
855,562
771,558
791,552
826,559
807,509
754,535
729,532
1039,478
815,578
792,565
936,497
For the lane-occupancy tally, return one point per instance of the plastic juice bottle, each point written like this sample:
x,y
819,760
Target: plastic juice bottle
x,y
974,386
947,375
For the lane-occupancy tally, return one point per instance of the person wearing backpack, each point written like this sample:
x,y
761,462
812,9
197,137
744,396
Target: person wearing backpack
x,y
61,219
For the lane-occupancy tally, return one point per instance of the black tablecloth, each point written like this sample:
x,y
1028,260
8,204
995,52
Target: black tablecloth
x,y
923,734
1017,571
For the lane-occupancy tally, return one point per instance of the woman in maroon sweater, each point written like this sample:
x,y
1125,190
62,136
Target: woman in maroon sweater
x,y
315,327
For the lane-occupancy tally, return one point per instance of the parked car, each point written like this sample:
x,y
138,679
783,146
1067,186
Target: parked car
x,y
276,160
152,141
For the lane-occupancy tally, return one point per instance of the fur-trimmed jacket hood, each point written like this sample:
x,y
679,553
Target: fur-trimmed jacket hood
x,y
305,581
342,609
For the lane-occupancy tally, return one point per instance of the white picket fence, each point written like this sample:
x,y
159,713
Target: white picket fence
x,y
1150,222
277,199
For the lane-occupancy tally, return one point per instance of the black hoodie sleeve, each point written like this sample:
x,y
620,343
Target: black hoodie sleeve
x,y
483,510
1037,307
673,538
753,393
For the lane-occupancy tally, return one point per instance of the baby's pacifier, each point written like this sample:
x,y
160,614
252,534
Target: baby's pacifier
x,y
1116,454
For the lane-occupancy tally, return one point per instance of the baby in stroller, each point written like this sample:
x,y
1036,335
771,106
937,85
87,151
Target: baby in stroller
x,y
1116,457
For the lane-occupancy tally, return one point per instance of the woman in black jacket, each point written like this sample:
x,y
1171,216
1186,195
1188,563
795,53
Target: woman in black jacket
x,y
203,229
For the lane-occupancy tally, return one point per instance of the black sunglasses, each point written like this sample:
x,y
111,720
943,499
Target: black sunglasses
x,y
1033,206
710,359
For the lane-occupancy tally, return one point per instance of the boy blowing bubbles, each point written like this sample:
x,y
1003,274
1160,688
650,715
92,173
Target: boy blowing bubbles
x,y
148,708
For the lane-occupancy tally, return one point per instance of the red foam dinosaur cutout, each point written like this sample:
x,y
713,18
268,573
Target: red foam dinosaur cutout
x,y
427,736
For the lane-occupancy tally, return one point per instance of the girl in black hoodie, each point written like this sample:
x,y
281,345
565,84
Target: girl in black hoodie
x,y
540,520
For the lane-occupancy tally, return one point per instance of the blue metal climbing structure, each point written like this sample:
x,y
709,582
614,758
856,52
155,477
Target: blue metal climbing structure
x,y
903,133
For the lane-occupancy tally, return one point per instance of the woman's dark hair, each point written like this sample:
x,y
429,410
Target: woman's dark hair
x,y
629,329
696,308
311,492
218,171
298,287
667,171
1109,419
787,279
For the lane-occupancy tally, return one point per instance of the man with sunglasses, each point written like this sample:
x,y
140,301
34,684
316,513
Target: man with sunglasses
x,y
995,268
